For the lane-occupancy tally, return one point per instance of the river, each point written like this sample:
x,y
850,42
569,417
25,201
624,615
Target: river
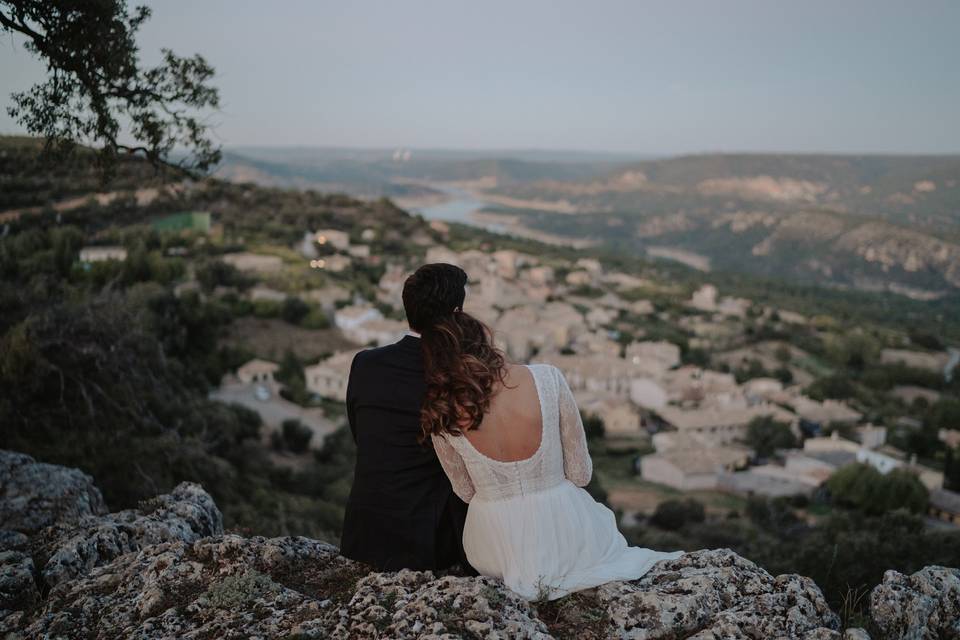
x,y
460,207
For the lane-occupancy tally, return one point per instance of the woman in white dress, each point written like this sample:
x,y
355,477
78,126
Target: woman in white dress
x,y
511,440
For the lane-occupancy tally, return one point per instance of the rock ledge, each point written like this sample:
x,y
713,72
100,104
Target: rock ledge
x,y
166,570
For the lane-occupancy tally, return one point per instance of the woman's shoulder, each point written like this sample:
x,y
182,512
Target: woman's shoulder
x,y
543,368
543,371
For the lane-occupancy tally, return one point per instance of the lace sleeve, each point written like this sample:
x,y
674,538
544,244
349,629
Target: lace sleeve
x,y
577,466
455,468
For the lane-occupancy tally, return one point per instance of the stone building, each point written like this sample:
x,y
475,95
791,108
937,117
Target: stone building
x,y
328,378
257,371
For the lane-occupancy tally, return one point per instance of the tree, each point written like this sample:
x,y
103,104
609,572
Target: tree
x,y
864,488
673,514
294,310
97,93
765,435
593,426
296,436
834,387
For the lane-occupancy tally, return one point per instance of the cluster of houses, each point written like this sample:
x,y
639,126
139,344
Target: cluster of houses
x,y
569,316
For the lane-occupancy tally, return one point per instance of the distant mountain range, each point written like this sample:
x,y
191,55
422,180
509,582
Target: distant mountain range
x,y
389,172
868,222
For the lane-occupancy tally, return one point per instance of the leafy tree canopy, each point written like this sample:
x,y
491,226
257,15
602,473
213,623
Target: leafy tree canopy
x,y
97,92
866,489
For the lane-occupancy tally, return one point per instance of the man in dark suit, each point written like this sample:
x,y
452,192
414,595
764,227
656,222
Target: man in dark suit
x,y
402,512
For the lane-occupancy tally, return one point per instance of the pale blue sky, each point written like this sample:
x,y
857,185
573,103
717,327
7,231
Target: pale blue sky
x,y
647,77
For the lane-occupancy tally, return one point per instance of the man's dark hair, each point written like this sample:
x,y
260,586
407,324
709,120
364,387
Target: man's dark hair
x,y
433,292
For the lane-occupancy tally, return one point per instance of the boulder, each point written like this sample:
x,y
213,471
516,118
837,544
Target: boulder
x,y
922,606
34,495
187,513
716,594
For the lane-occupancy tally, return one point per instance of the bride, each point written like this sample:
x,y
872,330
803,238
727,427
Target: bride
x,y
511,440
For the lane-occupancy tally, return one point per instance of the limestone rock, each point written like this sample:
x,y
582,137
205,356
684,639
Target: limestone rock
x,y
18,591
716,594
231,586
34,495
412,604
921,606
187,513
225,587
166,571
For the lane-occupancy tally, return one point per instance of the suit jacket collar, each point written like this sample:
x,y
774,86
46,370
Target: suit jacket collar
x,y
410,342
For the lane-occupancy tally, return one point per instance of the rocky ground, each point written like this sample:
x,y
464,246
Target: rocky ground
x,y
167,570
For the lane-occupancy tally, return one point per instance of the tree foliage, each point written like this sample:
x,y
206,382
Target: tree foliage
x,y
864,488
674,514
98,93
765,435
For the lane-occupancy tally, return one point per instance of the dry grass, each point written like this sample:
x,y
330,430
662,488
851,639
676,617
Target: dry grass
x,y
579,616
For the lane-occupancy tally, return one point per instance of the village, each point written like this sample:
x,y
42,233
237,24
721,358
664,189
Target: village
x,y
692,421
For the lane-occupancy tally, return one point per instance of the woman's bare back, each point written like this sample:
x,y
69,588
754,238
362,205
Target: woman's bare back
x,y
512,428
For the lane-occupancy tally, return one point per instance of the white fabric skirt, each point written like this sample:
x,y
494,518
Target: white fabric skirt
x,y
547,544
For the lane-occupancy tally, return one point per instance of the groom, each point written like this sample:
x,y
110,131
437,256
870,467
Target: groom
x,y
402,512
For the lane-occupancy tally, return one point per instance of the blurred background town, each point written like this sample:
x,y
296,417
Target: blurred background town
x,y
752,287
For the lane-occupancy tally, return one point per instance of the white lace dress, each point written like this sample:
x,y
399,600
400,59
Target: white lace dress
x,y
529,522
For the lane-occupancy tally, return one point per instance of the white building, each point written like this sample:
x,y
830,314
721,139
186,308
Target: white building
x,y
824,413
333,237
359,250
102,254
329,377
935,362
379,332
353,316
595,373
705,298
771,481
620,417
256,262
721,425
648,393
692,469
663,354
261,292
541,275
257,371
579,278
872,436
507,261
390,287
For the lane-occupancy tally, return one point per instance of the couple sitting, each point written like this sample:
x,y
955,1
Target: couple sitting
x,y
442,413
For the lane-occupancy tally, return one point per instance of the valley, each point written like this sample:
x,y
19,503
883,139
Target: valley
x,y
869,223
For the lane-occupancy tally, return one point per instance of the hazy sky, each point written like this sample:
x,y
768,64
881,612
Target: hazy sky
x,y
649,77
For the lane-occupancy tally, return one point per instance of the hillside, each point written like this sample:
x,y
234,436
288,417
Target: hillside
x,y
110,366
26,180
870,223
388,172
865,222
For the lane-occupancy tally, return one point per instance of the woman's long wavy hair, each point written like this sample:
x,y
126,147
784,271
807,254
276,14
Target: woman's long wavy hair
x,y
462,367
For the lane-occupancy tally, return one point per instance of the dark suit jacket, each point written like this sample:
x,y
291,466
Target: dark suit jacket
x,y
402,512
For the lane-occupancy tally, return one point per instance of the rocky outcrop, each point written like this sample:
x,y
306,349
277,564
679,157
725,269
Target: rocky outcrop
x,y
187,513
166,570
717,594
17,587
921,606
230,586
34,495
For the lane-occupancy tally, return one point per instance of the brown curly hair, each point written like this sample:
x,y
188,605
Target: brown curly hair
x,y
461,364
